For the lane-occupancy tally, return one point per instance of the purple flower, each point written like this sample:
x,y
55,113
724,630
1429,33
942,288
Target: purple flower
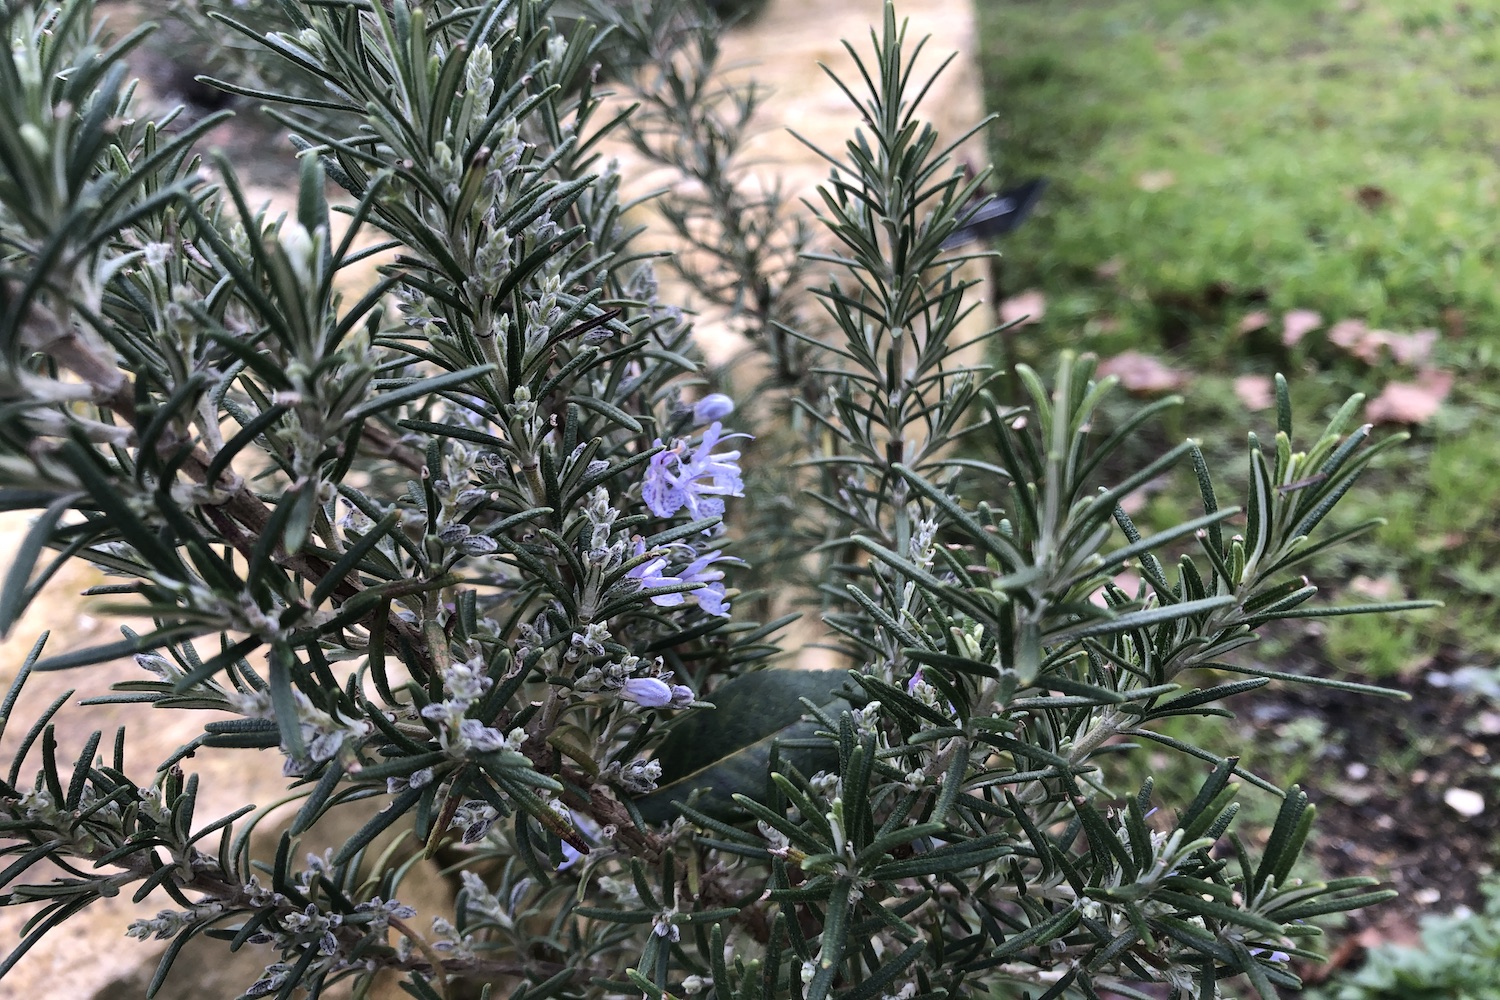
x,y
710,593
648,692
714,406
920,689
650,574
696,481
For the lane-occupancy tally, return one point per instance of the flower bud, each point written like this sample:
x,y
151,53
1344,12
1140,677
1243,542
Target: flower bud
x,y
714,406
478,545
453,534
648,692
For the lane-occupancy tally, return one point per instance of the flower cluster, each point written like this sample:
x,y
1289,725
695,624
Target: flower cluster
x,y
463,684
648,684
698,570
474,818
324,734
696,480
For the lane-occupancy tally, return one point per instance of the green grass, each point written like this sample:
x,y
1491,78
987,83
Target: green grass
x,y
1256,124
1207,160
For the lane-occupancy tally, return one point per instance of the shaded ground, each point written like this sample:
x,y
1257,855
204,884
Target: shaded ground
x,y
1381,799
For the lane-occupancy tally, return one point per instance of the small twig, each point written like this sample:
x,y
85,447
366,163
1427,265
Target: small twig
x,y
439,970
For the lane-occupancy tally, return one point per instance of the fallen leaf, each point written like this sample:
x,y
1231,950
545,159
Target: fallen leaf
x,y
1143,374
1155,180
1372,197
1410,402
1353,795
1370,346
1252,321
1025,309
1255,392
1389,931
1346,333
1128,581
1377,588
1411,348
1298,323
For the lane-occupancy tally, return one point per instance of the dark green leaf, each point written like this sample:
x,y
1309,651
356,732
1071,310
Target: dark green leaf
x,y
727,749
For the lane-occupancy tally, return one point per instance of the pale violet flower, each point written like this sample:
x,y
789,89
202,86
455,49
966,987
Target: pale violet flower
x,y
710,593
571,856
477,736
714,406
640,776
650,574
449,713
697,481
648,692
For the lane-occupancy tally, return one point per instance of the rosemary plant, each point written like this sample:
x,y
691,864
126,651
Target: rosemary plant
x,y
461,546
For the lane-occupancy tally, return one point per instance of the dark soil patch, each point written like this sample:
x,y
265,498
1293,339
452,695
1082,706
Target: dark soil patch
x,y
1380,794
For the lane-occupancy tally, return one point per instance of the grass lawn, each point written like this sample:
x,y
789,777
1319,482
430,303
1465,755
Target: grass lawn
x,y
1281,154
1216,165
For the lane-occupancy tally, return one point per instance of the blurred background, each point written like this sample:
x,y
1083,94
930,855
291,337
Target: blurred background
x,y
1307,187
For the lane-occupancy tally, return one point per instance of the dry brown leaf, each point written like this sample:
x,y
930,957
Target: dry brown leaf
x,y
1298,323
1410,402
1252,321
1025,309
1155,180
1143,374
1455,323
1370,346
1372,197
1255,392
